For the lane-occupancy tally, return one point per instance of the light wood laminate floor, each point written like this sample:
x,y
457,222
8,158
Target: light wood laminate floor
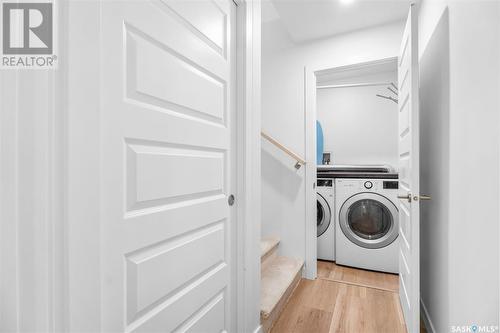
x,y
343,300
330,271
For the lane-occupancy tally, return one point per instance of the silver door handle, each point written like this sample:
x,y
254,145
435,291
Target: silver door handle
x,y
415,198
405,196
422,197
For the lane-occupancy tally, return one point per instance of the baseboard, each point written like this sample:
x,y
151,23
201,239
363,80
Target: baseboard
x,y
258,329
426,319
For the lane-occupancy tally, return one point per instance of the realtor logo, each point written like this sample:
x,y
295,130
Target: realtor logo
x,y
28,35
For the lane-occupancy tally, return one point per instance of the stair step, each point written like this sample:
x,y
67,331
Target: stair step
x,y
279,278
268,244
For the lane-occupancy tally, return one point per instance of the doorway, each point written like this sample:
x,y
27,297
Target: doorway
x,y
359,128
407,198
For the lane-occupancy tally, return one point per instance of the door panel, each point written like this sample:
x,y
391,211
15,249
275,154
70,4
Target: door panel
x,y
409,220
210,26
148,281
167,164
163,174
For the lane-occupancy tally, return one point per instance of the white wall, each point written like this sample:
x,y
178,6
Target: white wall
x,y
283,198
434,178
460,266
475,105
359,127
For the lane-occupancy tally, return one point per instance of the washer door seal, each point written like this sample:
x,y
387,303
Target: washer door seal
x,y
323,214
369,220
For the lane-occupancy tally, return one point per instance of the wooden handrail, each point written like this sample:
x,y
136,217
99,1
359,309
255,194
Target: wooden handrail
x,y
300,160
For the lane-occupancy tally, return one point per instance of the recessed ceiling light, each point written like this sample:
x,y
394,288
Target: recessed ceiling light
x,y
346,2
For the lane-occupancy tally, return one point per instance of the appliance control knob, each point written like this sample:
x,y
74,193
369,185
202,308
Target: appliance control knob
x,y
368,185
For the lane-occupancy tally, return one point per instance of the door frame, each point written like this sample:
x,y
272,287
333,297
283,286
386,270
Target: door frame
x,y
65,169
310,115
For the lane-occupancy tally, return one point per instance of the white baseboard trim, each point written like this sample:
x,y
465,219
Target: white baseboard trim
x,y
258,329
426,319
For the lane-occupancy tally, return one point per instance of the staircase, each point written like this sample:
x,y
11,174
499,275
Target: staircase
x,y
279,278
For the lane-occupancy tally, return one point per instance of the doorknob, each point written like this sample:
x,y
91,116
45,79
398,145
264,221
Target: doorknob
x,y
405,196
230,200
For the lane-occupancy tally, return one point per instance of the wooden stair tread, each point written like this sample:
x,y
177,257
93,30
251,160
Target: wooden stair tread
x,y
267,244
276,279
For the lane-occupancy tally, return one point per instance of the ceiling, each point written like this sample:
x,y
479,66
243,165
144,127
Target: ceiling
x,y
307,20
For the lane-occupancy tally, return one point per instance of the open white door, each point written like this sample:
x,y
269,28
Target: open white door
x,y
409,203
167,166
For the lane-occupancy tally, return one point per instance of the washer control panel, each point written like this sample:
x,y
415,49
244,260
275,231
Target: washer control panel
x,y
391,185
365,185
325,182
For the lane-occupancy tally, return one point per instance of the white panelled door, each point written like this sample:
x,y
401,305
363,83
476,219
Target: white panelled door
x,y
167,116
409,203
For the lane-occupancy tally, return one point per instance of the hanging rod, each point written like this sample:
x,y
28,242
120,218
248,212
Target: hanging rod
x,y
366,84
300,160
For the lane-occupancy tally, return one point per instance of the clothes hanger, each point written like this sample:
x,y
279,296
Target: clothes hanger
x,y
393,90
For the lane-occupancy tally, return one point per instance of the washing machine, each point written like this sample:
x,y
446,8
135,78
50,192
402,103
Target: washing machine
x,y
367,224
325,204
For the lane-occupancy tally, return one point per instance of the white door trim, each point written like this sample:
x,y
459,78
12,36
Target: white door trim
x,y
310,74
249,177
59,208
31,202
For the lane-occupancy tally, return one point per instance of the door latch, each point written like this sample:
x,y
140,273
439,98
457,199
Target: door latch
x,y
415,198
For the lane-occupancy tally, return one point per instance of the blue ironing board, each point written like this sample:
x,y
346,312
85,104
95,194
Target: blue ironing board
x,y
319,143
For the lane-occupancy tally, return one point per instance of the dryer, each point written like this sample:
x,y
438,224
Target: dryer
x,y
367,224
325,219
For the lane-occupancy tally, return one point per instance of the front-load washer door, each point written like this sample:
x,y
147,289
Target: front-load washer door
x,y
323,214
369,220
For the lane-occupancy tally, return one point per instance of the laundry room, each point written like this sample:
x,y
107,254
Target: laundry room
x,y
355,175
336,104
357,155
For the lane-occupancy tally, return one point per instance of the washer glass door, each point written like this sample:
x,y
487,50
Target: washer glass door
x,y
369,220
323,214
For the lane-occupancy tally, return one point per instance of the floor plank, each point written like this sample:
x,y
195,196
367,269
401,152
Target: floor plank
x,y
330,271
